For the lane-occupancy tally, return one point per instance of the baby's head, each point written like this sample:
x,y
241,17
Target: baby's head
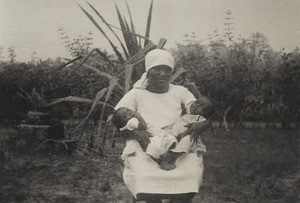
x,y
203,107
121,116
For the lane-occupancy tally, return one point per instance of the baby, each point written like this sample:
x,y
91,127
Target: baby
x,y
164,148
201,110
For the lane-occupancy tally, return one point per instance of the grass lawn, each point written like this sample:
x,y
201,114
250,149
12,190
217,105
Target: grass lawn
x,y
242,165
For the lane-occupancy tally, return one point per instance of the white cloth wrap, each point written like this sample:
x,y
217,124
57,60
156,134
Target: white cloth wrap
x,y
160,141
154,58
132,124
160,145
142,175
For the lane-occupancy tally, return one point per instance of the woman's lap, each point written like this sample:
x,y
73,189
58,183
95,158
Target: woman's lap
x,y
142,175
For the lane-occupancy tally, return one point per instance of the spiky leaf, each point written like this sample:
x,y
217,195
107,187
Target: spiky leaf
x,y
177,74
137,57
119,55
148,23
128,75
75,99
104,56
98,72
85,58
112,84
124,31
109,26
129,38
133,37
98,96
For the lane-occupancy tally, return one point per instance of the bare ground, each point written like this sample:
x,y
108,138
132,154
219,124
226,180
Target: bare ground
x,y
240,166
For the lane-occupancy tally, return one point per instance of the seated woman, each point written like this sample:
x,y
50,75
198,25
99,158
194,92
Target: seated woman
x,y
160,103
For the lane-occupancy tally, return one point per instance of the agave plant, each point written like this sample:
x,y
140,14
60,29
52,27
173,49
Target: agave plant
x,y
129,65
34,99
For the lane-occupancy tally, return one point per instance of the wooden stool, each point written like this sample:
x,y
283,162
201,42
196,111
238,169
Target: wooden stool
x,y
158,198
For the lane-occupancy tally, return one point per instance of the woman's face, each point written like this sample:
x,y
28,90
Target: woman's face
x,y
160,75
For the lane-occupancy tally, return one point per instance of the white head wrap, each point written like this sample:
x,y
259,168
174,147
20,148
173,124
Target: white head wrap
x,y
154,58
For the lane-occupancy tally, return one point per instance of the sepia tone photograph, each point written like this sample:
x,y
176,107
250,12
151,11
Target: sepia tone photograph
x,y
153,101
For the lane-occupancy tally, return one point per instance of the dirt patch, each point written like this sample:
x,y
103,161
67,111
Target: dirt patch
x,y
240,166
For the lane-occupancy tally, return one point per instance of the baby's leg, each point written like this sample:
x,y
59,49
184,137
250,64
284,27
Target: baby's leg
x,y
154,148
167,158
184,145
168,142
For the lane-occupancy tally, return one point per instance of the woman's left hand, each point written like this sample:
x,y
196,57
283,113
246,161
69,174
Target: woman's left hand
x,y
195,129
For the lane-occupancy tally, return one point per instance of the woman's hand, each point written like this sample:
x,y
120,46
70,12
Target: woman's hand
x,y
142,123
141,136
195,130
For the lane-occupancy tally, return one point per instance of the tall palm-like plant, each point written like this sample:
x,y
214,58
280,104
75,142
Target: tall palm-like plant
x,y
133,51
133,54
131,38
34,99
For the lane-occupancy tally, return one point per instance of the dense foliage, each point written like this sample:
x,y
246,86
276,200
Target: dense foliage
x,y
17,80
247,78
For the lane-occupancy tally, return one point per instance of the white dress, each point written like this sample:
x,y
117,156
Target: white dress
x,y
141,174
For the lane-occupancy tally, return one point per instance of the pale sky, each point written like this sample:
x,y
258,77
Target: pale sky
x,y
31,25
